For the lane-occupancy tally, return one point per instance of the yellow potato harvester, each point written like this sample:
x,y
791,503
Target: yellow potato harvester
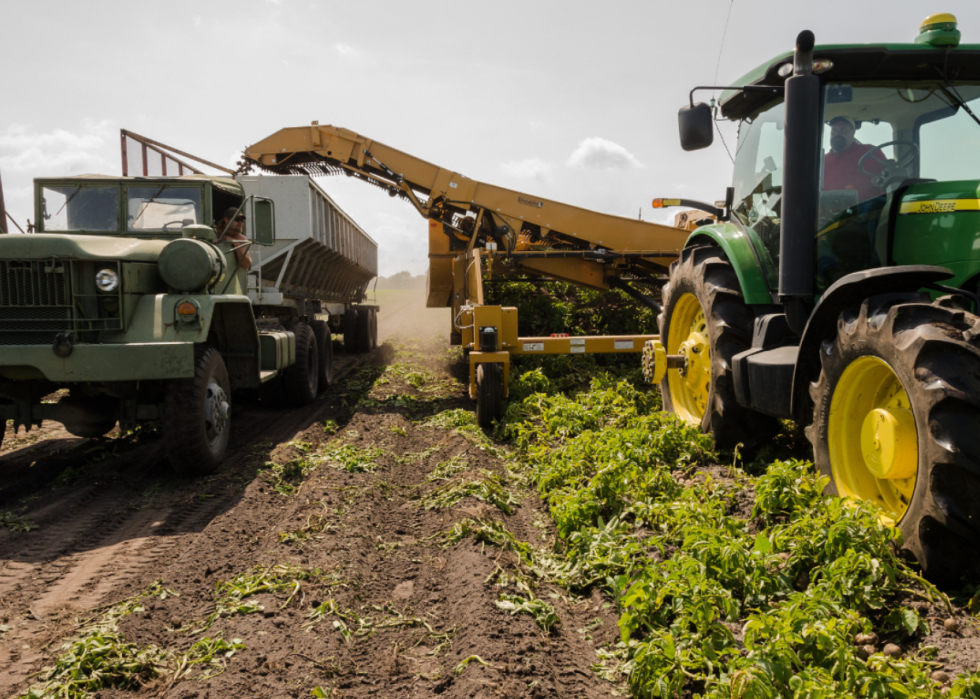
x,y
478,230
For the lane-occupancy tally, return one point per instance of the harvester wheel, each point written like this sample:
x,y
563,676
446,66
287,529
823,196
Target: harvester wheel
x,y
706,320
196,416
351,331
300,380
374,328
324,346
489,394
895,422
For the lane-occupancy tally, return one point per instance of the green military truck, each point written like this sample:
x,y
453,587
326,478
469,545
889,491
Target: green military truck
x,y
839,286
127,296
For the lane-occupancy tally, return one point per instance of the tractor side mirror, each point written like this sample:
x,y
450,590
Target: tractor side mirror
x,y
696,126
263,221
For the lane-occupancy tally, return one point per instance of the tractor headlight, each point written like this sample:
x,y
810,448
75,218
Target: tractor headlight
x,y
107,280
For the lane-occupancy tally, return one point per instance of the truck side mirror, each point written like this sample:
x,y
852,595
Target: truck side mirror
x,y
263,221
696,126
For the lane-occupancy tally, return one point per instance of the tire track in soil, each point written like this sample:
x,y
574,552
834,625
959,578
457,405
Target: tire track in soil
x,y
94,542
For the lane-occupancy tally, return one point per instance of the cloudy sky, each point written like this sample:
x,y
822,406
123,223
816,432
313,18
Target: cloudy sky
x,y
570,100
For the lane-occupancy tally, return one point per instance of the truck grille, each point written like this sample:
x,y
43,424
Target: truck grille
x,y
41,298
34,283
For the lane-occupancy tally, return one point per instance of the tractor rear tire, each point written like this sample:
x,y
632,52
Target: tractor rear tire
x,y
899,395
196,416
324,345
300,380
704,296
351,331
489,394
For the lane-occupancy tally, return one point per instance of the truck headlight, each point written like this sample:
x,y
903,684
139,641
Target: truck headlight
x,y
107,280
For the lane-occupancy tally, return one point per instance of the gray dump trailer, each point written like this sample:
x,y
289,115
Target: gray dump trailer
x,y
321,263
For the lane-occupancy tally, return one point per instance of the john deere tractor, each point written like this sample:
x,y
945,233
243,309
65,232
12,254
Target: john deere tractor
x,y
837,284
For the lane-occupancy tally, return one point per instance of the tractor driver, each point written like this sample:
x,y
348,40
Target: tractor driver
x,y
840,164
232,223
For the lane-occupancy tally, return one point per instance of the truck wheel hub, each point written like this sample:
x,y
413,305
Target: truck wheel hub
x,y
216,409
872,438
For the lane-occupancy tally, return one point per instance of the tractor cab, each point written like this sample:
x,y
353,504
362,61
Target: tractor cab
x,y
885,148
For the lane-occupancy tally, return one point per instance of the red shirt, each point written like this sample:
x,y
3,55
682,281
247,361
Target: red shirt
x,y
841,171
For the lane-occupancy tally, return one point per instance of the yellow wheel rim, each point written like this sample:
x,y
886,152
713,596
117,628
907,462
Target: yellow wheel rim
x,y
688,336
874,448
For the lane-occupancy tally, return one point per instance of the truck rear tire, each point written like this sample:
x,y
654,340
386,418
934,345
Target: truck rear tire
x,y
197,416
351,331
367,330
324,346
300,381
895,422
489,394
706,319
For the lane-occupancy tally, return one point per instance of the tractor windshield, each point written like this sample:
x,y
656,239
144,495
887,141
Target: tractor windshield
x,y
878,138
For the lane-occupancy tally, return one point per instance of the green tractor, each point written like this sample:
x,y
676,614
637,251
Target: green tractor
x,y
837,285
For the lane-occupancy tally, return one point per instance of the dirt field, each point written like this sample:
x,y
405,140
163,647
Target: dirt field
x,y
318,560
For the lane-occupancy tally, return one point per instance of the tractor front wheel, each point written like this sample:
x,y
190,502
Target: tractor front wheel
x,y
895,423
706,320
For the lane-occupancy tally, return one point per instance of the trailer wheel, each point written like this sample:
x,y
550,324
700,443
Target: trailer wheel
x,y
489,394
705,318
351,331
196,416
324,346
300,380
895,422
367,338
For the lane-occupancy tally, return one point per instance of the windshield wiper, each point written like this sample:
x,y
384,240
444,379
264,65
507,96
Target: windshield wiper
x,y
68,199
952,93
146,206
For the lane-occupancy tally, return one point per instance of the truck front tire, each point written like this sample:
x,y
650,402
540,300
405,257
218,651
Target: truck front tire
x,y
197,416
706,319
895,422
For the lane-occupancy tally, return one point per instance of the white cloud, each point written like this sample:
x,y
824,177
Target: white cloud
x,y
599,154
197,21
535,125
531,168
345,49
57,152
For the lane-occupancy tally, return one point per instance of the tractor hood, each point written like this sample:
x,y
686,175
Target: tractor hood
x,y
78,247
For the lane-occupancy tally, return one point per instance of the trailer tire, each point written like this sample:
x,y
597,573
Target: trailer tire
x,y
489,394
374,328
899,394
196,416
351,331
324,346
300,380
704,295
366,339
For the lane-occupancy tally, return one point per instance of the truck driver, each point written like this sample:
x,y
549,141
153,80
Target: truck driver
x,y
840,165
233,231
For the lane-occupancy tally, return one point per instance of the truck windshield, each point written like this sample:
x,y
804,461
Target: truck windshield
x,y
79,208
162,207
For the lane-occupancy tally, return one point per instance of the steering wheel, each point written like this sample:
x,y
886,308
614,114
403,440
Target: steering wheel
x,y
903,162
181,223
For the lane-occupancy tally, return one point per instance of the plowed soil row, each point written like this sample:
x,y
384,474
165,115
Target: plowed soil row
x,y
420,612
